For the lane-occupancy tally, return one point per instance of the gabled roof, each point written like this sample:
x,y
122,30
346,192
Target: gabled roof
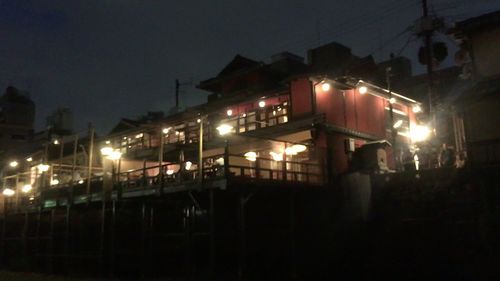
x,y
238,64
476,24
124,125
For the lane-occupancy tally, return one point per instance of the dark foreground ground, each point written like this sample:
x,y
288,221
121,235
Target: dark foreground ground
x,y
16,276
19,276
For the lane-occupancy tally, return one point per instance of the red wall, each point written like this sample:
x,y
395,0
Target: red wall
x,y
301,96
349,109
364,113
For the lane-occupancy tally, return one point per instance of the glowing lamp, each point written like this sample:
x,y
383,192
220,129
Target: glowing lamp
x,y
290,151
107,150
276,156
224,129
114,155
398,124
419,133
392,100
220,161
251,156
8,192
262,103
13,164
363,90
417,109
26,188
229,112
43,167
325,87
299,148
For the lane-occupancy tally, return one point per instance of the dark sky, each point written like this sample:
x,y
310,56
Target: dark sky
x,y
109,59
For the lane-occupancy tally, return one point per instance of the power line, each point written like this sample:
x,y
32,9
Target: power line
x,y
350,27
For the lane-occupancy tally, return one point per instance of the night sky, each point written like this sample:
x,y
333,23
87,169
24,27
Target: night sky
x,y
110,59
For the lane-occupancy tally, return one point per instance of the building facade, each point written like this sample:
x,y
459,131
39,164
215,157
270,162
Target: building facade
x,y
268,132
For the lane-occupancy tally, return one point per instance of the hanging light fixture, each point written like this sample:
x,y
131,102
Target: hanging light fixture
x,y
251,156
325,86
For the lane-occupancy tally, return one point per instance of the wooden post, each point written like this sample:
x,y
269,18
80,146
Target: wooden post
x,y
102,234
16,188
283,163
242,227
61,155
2,241
212,258
91,154
226,159
143,240
50,255
24,235
200,153
293,265
160,161
67,236
112,241
73,170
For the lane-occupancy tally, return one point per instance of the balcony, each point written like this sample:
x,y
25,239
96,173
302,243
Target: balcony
x,y
154,179
238,168
146,140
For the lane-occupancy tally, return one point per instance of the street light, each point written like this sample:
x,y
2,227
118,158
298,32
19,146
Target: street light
x,y
13,164
106,151
114,155
419,133
224,129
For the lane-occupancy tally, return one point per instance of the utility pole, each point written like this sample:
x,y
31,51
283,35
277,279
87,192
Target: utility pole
x,y
91,155
427,29
200,152
394,133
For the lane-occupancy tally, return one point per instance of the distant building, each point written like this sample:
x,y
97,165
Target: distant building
x,y
479,106
17,115
60,121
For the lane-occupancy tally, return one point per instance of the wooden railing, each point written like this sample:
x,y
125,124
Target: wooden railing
x,y
238,168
